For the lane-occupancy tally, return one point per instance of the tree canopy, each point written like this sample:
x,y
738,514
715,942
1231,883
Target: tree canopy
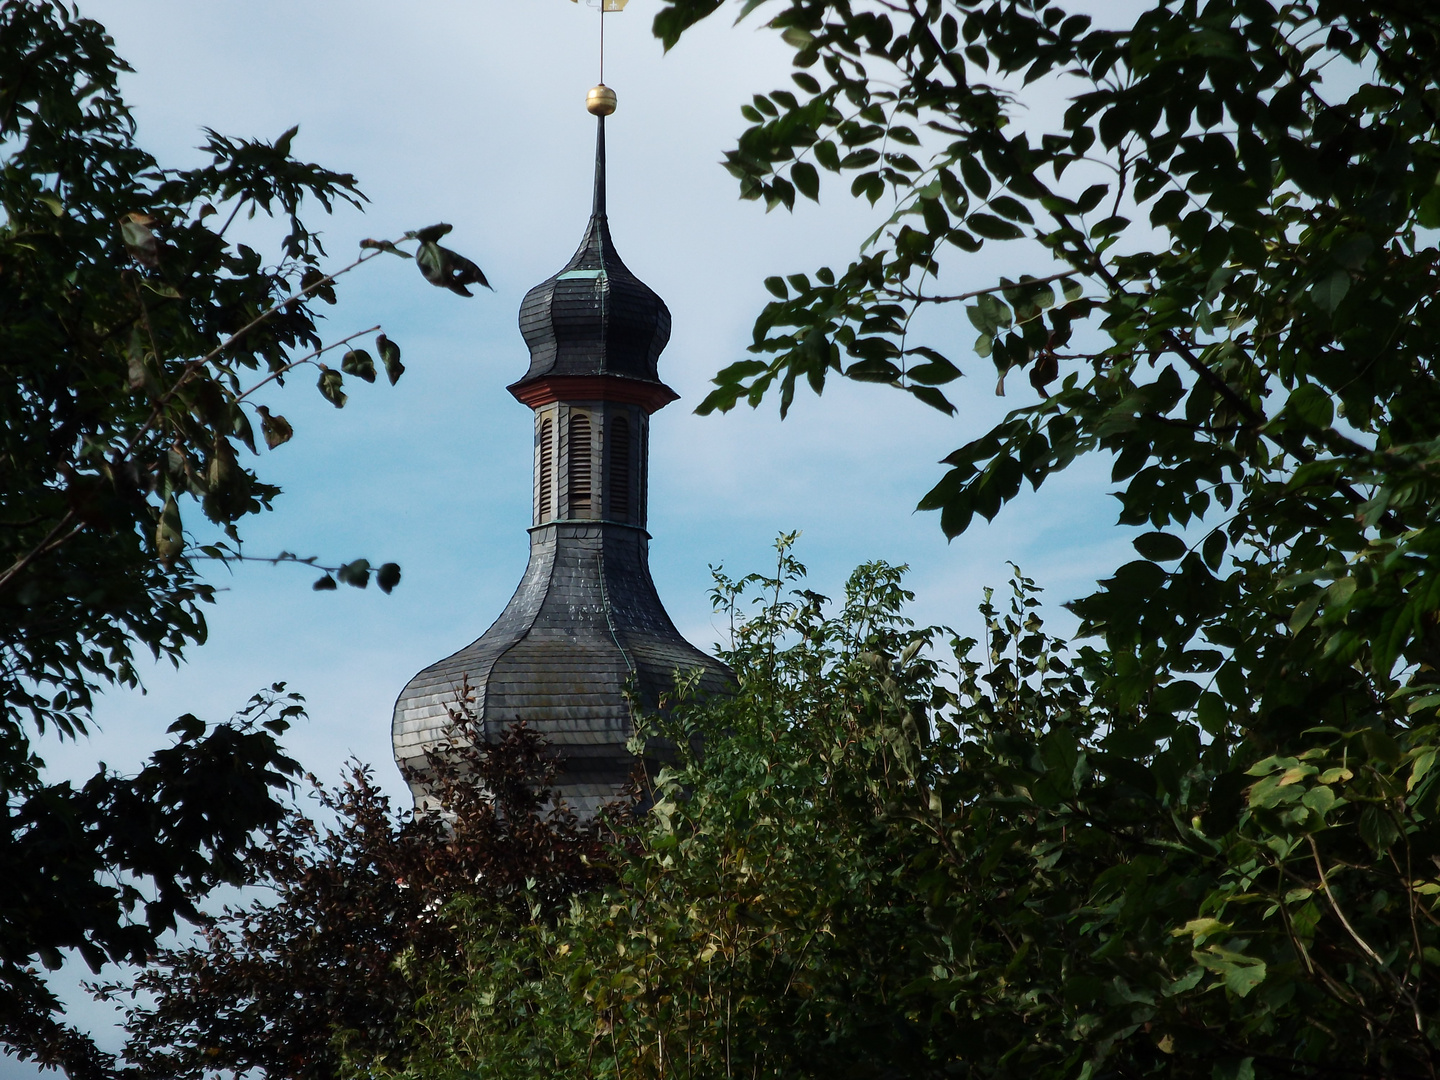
x,y
1200,840
893,862
1239,310
135,332
353,899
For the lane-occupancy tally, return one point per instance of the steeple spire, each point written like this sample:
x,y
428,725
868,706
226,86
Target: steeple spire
x,y
585,637
598,210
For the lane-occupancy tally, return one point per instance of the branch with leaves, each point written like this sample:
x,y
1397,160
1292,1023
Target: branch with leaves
x,y
137,337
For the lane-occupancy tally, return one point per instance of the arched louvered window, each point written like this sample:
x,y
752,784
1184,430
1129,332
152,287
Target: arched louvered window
x,y
579,465
619,500
547,470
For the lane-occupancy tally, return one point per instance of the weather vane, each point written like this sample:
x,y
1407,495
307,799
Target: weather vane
x,y
601,99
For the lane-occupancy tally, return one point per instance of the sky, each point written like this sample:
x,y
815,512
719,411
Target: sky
x,y
473,113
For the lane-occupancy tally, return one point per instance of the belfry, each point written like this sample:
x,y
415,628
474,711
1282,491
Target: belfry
x,y
585,632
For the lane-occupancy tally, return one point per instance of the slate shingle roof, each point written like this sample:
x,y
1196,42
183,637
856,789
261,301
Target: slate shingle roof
x,y
585,624
594,317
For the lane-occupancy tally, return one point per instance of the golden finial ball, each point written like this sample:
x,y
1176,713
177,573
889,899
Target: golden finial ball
x,y
600,101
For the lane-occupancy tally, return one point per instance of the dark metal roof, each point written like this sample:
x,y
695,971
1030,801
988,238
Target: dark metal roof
x,y
594,317
584,627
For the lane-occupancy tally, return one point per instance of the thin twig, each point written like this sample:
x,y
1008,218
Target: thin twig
x,y
1364,945
54,538
980,292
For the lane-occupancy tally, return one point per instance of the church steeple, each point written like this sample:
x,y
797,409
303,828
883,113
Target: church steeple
x,y
585,633
595,317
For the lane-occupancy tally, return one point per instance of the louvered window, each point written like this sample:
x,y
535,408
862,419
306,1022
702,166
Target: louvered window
x,y
619,509
579,466
547,469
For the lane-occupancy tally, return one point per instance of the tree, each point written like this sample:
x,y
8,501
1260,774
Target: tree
x,y
884,865
108,868
276,987
134,334
761,924
1232,228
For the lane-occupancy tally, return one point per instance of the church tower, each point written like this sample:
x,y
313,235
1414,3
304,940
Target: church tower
x,y
585,624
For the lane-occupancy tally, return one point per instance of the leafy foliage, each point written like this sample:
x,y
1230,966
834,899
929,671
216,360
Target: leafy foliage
x,y
273,985
134,336
108,868
132,326
1231,229
1241,310
880,867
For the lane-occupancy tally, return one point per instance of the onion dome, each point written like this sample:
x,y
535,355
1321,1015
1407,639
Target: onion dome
x,y
594,317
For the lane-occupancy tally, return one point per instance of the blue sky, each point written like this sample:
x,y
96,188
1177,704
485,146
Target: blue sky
x,y
472,113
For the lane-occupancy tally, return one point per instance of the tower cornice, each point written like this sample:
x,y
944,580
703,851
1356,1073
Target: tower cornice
x,y
650,396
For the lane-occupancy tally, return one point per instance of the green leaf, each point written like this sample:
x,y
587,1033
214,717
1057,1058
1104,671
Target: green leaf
x,y
1091,196
282,144
330,383
992,227
169,532
1312,405
1212,713
1200,929
1305,611
975,176
1378,829
446,269
317,283
139,239
137,354
1160,547
189,727
1427,213
806,180
325,584
1320,799
356,574
1234,1069
1012,208
797,38
276,429
1331,289
388,576
1213,550
1240,973
1422,764
934,398
390,357
359,363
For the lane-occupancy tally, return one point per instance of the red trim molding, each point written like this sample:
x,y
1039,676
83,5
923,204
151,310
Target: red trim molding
x,y
650,396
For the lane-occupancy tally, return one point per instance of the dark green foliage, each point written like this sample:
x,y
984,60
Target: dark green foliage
x,y
128,327
134,335
881,868
107,868
1262,371
1232,233
274,986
